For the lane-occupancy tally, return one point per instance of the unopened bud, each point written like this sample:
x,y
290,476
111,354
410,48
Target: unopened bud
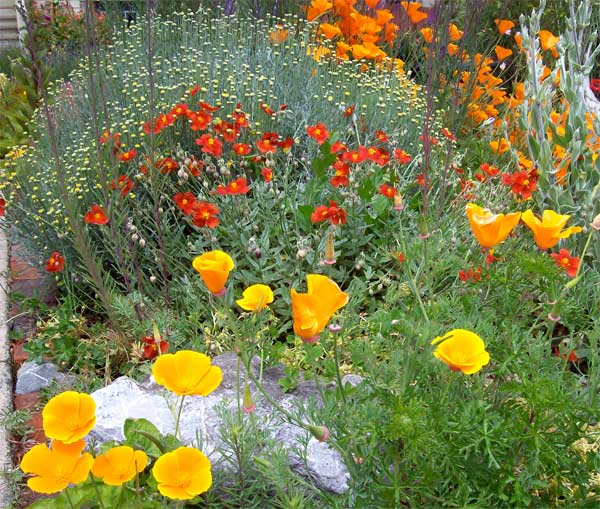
x,y
596,223
153,279
142,243
329,250
249,405
398,204
321,433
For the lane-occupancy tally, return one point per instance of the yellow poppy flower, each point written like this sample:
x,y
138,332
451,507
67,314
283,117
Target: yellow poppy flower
x,y
69,416
312,310
119,465
317,8
54,469
329,31
183,473
490,229
548,231
214,268
462,350
255,298
187,373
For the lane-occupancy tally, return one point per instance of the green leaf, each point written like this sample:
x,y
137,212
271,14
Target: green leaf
x,y
142,434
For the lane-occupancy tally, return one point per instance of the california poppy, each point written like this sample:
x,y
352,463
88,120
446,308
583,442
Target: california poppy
x,y
490,229
214,268
54,469
69,416
312,310
548,231
256,297
119,465
462,350
186,373
182,474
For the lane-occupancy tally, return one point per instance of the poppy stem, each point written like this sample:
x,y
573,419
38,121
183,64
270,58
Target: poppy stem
x,y
179,416
337,369
98,493
69,499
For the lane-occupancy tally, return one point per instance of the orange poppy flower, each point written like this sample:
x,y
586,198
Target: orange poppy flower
x,y
329,31
256,298
490,229
279,35
187,373
204,214
69,416
95,215
183,473
462,350
548,231
502,53
54,469
214,268
317,8
119,465
548,40
413,11
504,25
312,310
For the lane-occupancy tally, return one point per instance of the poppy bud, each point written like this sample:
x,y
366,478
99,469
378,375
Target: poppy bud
x,y
321,433
249,405
398,205
596,223
329,250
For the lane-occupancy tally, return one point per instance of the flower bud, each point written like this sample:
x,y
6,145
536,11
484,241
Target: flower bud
x,y
249,405
142,243
596,223
398,204
329,250
321,433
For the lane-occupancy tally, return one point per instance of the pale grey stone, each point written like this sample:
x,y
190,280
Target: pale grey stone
x,y
201,423
33,376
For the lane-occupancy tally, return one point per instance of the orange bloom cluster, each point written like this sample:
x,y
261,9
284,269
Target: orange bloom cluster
x,y
203,214
55,263
332,213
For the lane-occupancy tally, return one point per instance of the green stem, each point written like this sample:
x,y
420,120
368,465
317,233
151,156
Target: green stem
x,y
178,416
69,499
138,490
410,275
238,389
337,369
98,493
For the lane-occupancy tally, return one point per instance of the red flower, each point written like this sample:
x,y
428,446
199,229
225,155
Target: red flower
x,y
489,170
269,111
165,120
338,146
332,213
207,107
151,347
55,263
195,90
471,274
595,85
241,149
349,110
95,215
267,144
2,207
166,165
186,202
200,120
205,214
381,136
522,183
127,156
180,110
150,128
421,179
286,144
342,170
267,174
490,258
318,132
210,144
400,257
572,357
432,140
564,260
387,190
124,183
354,156
448,134
401,156
227,130
239,186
